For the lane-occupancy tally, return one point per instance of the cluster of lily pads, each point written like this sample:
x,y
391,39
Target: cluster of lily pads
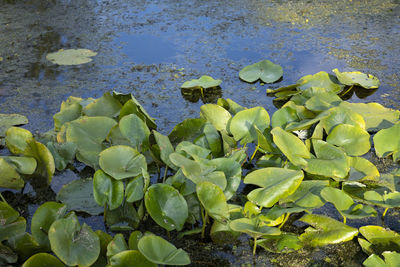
x,y
308,153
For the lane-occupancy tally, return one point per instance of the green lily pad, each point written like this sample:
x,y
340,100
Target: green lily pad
x,y
265,70
11,223
387,142
117,245
187,130
330,162
233,174
44,216
216,115
275,183
283,243
284,116
135,189
135,130
213,200
78,196
325,231
9,176
7,255
392,259
88,133
106,106
43,260
71,56
366,81
129,257
252,227
122,162
63,153
69,113
166,206
376,116
243,125
322,101
107,190
9,120
291,146
25,245
362,169
321,79
189,149
45,161
123,218
213,140
17,140
387,200
203,82
353,139
230,105
308,194
134,238
378,240
72,243
166,148
342,115
158,250
345,204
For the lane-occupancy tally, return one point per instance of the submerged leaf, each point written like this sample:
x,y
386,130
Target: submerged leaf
x,y
71,56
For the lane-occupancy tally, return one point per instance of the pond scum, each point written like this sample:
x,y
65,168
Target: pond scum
x,y
309,152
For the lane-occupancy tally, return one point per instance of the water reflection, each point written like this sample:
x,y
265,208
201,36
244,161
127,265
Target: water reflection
x,y
209,95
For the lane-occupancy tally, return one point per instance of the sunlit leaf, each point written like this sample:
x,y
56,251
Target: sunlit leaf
x,y
71,56
213,200
203,82
106,106
107,190
9,120
322,80
216,115
378,239
366,81
43,259
353,139
265,70
387,142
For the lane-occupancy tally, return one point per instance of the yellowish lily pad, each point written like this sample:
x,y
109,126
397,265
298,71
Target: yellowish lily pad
x,y
71,56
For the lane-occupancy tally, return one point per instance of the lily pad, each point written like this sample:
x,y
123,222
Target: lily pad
x,y
265,70
129,257
213,200
136,131
166,206
187,130
9,176
72,243
107,190
233,174
71,56
387,142
353,139
342,115
253,228
243,125
325,231
17,140
330,162
9,120
366,81
275,183
283,243
392,259
376,116
69,113
117,245
308,194
88,133
321,79
203,82
378,240
362,169
44,216
106,106
216,115
78,196
166,148
158,250
11,223
43,260
291,146
122,162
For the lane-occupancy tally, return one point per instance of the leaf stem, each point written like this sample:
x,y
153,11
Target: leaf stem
x,y
165,173
348,90
344,219
384,213
255,246
254,153
2,198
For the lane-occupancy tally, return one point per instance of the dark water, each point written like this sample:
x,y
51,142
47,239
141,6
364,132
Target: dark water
x,y
149,48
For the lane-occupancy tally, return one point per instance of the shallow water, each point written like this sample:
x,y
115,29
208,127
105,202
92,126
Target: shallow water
x,y
149,48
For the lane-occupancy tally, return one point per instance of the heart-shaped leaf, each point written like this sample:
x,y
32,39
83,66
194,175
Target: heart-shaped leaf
x,y
244,124
392,259
9,176
122,162
378,240
107,190
88,133
308,194
11,223
43,259
8,120
72,243
275,183
128,257
265,70
216,115
158,250
203,82
387,142
106,106
44,216
291,146
325,231
166,148
166,206
135,130
213,200
68,113
253,228
366,81
321,79
353,139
